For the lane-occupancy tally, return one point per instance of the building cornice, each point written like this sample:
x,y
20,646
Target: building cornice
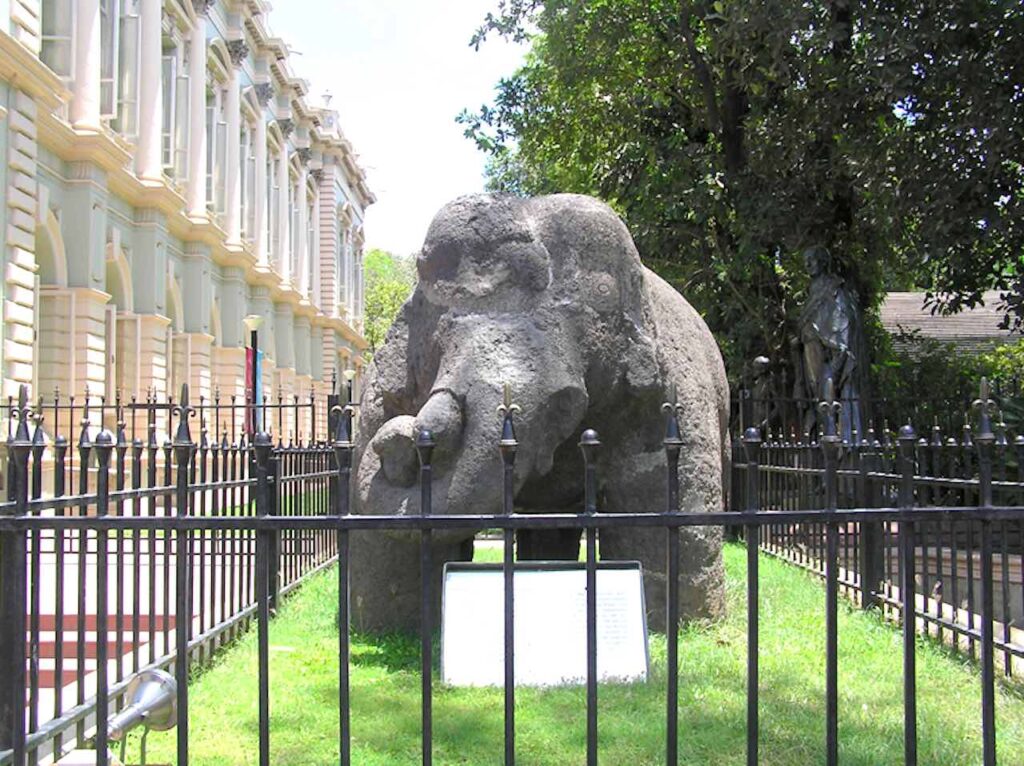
x,y
22,69
343,328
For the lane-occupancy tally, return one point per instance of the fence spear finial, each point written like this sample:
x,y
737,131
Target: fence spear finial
x,y
23,414
672,408
984,404
830,408
507,411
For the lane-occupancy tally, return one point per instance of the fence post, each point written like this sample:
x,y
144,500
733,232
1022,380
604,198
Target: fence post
x,y
183,449
343,458
13,601
425,450
752,448
508,446
907,549
985,442
829,408
103,446
673,443
589,444
262,446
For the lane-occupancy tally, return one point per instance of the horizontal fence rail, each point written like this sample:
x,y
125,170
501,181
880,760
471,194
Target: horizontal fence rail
x,y
290,494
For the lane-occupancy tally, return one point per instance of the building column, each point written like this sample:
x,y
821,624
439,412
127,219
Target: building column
x,y
260,217
303,244
283,254
197,147
84,109
237,50
148,163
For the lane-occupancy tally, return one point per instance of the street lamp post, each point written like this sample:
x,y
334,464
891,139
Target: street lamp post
x,y
252,324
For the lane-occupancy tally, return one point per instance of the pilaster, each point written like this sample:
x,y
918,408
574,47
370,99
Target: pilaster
x,y
328,257
84,225
19,257
153,354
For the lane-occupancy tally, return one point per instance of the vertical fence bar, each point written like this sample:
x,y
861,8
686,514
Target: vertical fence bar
x,y
183,449
830,451
152,450
343,457
1001,445
508,446
589,444
38,447
425,449
12,595
83,564
985,442
136,555
121,450
103,446
967,473
168,562
262,447
752,447
673,444
907,544
60,450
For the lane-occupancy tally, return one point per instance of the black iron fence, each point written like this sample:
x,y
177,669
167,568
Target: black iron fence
x,y
948,563
101,605
796,418
251,520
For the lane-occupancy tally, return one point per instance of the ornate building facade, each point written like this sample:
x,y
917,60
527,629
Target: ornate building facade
x,y
165,175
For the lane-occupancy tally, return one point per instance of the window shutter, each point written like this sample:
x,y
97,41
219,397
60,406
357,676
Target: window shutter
x,y
168,78
110,28
220,160
181,113
128,71
57,37
211,117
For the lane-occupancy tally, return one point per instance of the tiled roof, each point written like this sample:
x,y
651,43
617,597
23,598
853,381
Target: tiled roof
x,y
971,330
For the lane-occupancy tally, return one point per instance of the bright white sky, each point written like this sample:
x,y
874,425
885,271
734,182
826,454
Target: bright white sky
x,y
400,71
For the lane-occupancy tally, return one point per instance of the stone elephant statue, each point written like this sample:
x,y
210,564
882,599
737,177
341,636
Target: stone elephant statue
x,y
548,295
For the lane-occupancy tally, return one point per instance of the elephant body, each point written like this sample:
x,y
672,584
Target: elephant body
x,y
549,296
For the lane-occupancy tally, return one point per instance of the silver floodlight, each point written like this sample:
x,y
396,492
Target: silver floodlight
x,y
152,702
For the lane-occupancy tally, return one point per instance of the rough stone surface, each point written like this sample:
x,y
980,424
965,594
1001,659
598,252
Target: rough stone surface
x,y
548,295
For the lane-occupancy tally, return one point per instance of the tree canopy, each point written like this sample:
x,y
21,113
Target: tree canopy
x,y
389,281
733,135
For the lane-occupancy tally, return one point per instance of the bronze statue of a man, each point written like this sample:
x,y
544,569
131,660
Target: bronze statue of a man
x,y
830,333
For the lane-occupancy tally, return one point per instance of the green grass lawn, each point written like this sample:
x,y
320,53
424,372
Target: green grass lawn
x,y
551,723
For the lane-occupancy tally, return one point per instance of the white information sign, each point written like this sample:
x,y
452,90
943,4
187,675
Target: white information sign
x,y
550,624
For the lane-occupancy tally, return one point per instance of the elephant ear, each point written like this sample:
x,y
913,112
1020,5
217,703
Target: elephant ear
x,y
481,254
